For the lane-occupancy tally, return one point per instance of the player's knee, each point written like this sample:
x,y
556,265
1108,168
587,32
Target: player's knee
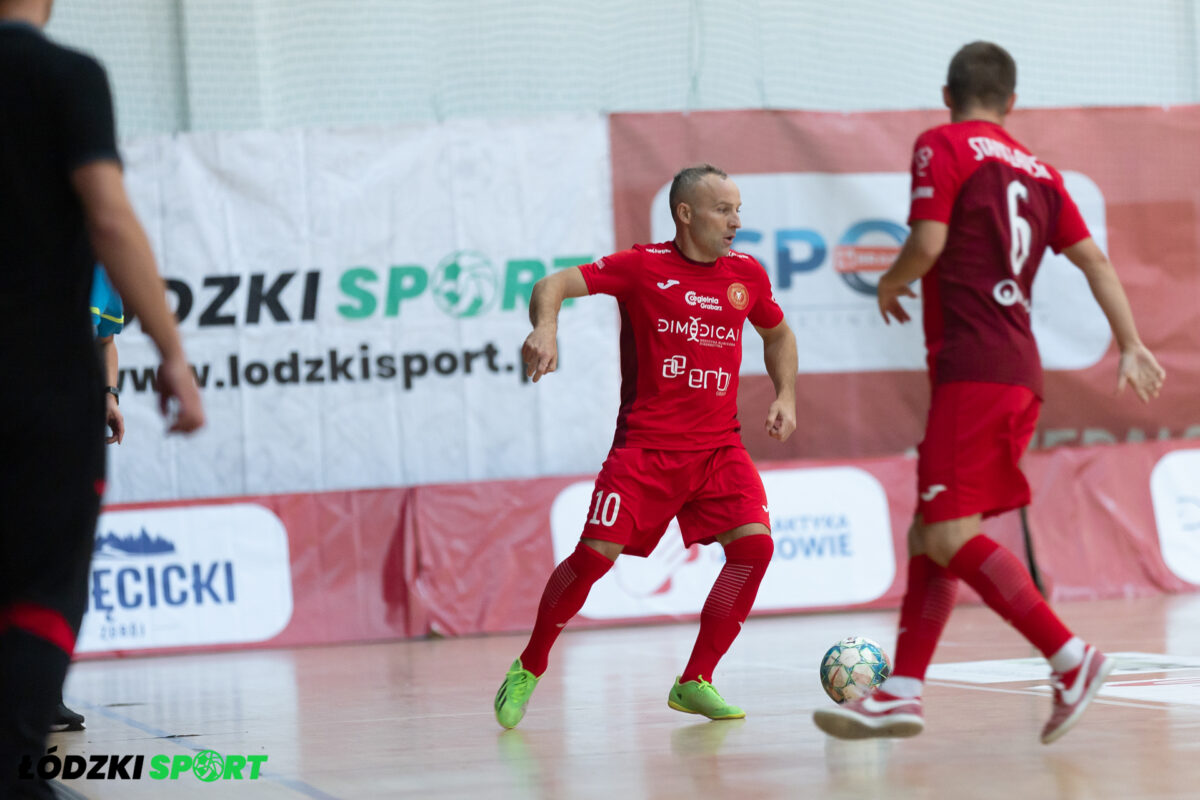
x,y
916,539
756,546
609,550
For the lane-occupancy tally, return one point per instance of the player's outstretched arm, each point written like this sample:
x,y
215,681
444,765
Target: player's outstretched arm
x,y
119,242
781,358
920,252
540,351
1137,366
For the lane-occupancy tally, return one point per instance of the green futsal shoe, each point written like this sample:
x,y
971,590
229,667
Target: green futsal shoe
x,y
513,695
701,697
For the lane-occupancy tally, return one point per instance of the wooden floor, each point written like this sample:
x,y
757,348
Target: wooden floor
x,y
414,719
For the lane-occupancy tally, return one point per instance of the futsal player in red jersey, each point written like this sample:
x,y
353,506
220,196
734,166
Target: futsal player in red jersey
x,y
983,211
677,451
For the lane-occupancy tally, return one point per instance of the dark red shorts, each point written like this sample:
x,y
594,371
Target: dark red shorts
x,y
639,491
969,461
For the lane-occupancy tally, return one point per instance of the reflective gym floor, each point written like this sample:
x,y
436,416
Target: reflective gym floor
x,y
414,719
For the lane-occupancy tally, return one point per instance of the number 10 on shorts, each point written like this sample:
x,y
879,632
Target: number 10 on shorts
x,y
605,509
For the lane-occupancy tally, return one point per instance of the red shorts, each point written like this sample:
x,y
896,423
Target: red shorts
x,y
974,440
639,491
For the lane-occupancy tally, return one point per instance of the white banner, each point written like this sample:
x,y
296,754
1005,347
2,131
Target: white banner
x,y
354,304
825,239
1175,492
187,575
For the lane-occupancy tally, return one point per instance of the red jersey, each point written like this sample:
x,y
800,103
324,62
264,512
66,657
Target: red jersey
x,y
1004,207
681,342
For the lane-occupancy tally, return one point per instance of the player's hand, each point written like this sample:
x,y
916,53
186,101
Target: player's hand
x,y
540,352
176,383
1138,368
115,420
889,293
781,419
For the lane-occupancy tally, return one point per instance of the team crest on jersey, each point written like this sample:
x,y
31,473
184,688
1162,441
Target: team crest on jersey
x,y
739,298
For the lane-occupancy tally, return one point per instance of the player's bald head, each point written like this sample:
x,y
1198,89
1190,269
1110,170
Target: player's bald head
x,y
981,74
686,183
35,11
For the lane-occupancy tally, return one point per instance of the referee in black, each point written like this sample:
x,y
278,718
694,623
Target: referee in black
x,y
63,207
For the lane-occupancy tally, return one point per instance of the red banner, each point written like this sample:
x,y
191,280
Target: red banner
x,y
473,558
809,178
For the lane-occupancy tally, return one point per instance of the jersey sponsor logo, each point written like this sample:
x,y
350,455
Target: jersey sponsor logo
x,y
701,332
921,160
739,298
933,491
707,302
922,193
664,285
986,147
674,366
661,251
697,378
736,254
1008,293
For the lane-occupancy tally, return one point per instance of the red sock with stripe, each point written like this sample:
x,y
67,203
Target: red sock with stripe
x,y
564,595
1004,584
928,601
729,603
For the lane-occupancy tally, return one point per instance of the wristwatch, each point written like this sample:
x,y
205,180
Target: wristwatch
x,y
113,391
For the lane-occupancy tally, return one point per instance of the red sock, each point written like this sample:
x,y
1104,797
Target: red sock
x,y
562,598
729,603
1004,584
928,601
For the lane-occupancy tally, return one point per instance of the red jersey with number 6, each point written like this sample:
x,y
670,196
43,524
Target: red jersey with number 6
x,y
681,342
1003,207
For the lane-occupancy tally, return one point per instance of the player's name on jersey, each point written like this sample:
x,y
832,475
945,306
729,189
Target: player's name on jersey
x,y
986,147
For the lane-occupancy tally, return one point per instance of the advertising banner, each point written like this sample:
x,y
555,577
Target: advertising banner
x,y
825,202
465,558
354,304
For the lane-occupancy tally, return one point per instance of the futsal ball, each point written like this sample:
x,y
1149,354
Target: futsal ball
x,y
853,667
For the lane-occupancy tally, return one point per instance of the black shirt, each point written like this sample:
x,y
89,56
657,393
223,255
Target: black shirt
x,y
55,115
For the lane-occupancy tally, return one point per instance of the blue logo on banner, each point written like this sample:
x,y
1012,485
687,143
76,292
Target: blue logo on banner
x,y
812,536
112,546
